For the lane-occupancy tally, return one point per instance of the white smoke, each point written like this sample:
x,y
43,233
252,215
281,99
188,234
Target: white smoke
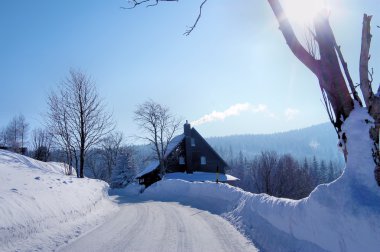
x,y
234,110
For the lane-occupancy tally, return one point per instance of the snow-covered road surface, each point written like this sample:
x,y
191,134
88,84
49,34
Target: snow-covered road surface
x,y
162,226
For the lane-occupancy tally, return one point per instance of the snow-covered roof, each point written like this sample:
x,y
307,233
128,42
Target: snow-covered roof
x,y
200,176
170,148
151,167
174,144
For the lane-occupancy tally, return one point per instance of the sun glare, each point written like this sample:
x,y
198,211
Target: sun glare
x,y
303,11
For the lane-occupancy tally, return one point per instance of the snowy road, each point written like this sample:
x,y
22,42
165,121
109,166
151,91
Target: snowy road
x,y
162,226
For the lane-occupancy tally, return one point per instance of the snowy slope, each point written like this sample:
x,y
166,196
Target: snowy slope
x,y
341,216
41,208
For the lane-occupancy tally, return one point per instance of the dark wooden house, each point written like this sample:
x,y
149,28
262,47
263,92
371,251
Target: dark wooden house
x,y
188,153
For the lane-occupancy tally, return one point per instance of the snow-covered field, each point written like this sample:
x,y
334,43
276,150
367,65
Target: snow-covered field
x,y
41,208
341,216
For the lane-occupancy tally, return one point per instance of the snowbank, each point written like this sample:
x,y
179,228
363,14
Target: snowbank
x,y
41,208
132,189
341,216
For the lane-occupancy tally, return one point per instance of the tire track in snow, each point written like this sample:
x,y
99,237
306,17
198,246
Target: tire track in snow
x,y
163,227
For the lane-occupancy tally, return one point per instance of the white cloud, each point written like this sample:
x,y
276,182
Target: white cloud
x,y
234,110
291,113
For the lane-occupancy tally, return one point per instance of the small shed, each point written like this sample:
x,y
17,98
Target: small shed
x,y
188,153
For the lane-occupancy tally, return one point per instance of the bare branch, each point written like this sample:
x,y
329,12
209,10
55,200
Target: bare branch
x,y
136,3
365,82
295,46
347,74
159,127
191,28
311,43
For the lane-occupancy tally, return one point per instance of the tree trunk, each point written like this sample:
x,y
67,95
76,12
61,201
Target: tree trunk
x,y
76,162
330,75
81,163
371,100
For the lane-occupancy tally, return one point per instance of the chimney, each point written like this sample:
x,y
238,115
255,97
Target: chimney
x,y
186,129
188,151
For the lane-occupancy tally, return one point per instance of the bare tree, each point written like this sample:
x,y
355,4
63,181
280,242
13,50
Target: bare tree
x,y
279,176
262,170
3,138
42,142
159,126
23,130
78,117
96,165
15,134
58,125
290,180
12,135
110,148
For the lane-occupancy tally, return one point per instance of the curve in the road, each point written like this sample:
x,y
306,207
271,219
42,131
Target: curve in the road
x,y
162,226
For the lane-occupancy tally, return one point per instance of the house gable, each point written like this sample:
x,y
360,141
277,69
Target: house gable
x,y
203,157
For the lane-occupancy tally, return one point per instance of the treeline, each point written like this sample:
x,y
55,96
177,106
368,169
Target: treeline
x,y
282,175
112,160
80,132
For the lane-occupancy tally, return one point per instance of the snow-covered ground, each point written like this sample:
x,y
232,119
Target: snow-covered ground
x,y
41,208
341,216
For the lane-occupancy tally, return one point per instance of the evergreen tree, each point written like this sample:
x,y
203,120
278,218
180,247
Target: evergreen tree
x,y
331,173
241,159
125,169
315,171
230,155
306,166
324,176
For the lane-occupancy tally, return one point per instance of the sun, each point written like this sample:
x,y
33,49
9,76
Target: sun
x,y
303,11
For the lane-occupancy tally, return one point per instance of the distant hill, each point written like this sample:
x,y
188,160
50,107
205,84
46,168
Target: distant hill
x,y
319,140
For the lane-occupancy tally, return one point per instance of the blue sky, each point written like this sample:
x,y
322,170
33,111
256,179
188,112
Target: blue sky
x,y
233,75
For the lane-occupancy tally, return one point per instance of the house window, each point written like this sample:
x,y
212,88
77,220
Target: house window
x,y
192,142
181,160
203,160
